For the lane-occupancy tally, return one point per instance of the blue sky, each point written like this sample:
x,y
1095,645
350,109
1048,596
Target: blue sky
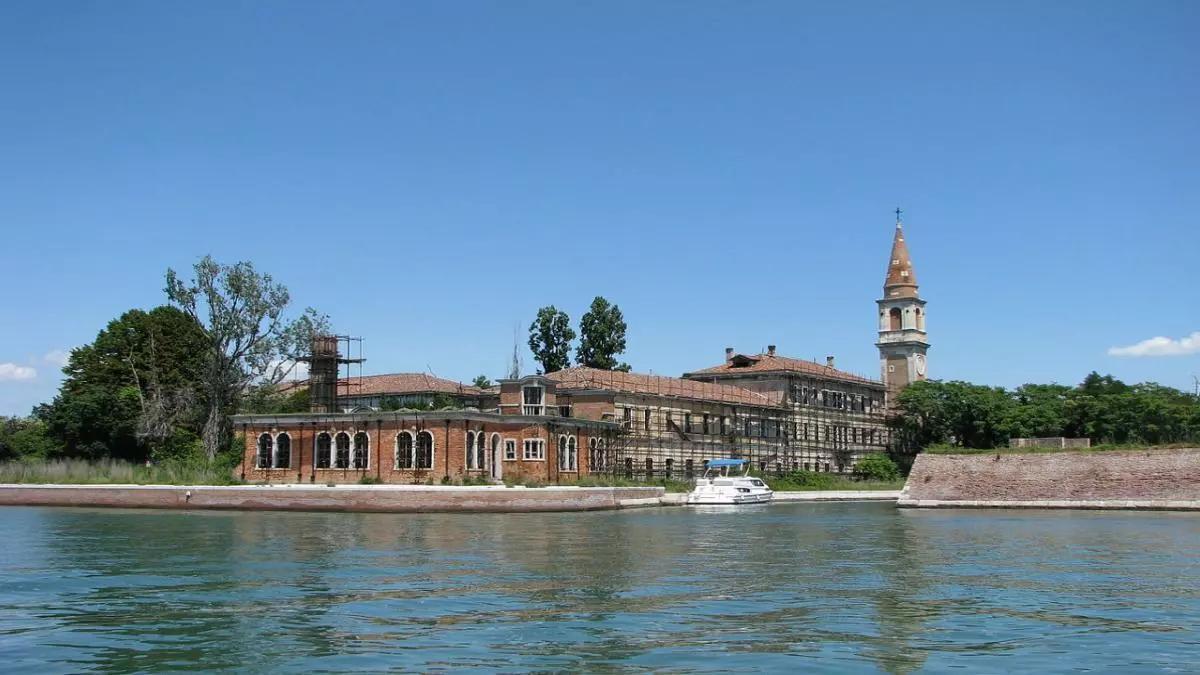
x,y
429,174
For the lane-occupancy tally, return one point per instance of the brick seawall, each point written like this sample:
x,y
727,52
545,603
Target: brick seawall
x,y
391,498
1133,479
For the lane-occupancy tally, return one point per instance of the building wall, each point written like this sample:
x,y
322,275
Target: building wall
x,y
1024,477
449,451
797,435
830,424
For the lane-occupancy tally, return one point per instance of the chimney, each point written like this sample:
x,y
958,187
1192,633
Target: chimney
x,y
770,350
728,354
828,361
323,374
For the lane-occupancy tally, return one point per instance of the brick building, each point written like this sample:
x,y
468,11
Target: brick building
x,y
416,447
781,413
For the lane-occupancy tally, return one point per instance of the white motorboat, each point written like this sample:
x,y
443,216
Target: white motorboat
x,y
718,485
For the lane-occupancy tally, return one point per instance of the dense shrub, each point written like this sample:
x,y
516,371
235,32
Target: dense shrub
x,y
809,480
876,467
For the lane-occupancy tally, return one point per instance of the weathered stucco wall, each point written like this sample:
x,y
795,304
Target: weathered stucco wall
x,y
410,499
1124,479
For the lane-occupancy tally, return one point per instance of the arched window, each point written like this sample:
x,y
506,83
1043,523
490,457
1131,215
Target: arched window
x,y
481,451
495,457
404,450
689,468
265,446
593,460
649,468
920,319
470,450
362,450
562,453
323,455
670,464
896,319
283,452
572,455
424,450
629,467
341,459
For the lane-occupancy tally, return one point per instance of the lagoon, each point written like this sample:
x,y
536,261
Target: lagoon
x,y
836,587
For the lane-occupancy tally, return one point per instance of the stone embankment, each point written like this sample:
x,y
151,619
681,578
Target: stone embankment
x,y
1127,479
378,498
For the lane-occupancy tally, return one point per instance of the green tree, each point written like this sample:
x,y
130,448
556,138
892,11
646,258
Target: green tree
x,y
25,438
482,381
969,415
550,337
250,342
1101,408
268,399
1039,410
601,337
132,389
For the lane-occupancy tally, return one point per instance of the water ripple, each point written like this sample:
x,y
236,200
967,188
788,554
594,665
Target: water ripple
x,y
812,587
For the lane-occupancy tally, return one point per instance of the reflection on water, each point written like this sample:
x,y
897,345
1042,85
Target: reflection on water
x,y
814,587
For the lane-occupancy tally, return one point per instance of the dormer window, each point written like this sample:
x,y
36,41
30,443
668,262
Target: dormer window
x,y
533,397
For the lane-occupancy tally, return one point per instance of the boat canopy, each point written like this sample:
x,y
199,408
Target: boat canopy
x,y
726,462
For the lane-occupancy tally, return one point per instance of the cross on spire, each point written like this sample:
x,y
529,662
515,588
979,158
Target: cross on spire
x,y
898,212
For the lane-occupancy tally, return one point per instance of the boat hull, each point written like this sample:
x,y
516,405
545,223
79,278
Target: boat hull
x,y
729,500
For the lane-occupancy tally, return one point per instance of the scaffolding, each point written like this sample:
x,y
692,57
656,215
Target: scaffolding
x,y
331,356
670,427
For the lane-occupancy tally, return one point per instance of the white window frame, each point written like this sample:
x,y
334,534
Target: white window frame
x,y
316,450
412,449
354,450
432,451
275,451
510,449
469,449
258,453
534,450
333,460
530,408
568,453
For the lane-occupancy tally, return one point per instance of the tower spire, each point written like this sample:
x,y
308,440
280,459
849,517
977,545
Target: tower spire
x,y
901,279
902,339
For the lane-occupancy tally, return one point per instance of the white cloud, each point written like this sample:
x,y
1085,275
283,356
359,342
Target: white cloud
x,y
11,371
1161,346
57,357
293,370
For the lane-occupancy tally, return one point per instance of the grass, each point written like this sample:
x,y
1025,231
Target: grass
x,y
809,481
671,485
1107,447
109,471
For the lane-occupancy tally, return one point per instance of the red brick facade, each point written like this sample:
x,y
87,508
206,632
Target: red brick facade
x,y
395,441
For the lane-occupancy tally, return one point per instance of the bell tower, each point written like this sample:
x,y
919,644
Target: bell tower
x,y
902,340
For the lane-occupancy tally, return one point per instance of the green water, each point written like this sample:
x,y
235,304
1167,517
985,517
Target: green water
x,y
806,587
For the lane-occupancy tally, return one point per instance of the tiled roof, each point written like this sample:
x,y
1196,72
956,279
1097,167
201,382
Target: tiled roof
x,y
396,384
901,281
767,363
657,385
